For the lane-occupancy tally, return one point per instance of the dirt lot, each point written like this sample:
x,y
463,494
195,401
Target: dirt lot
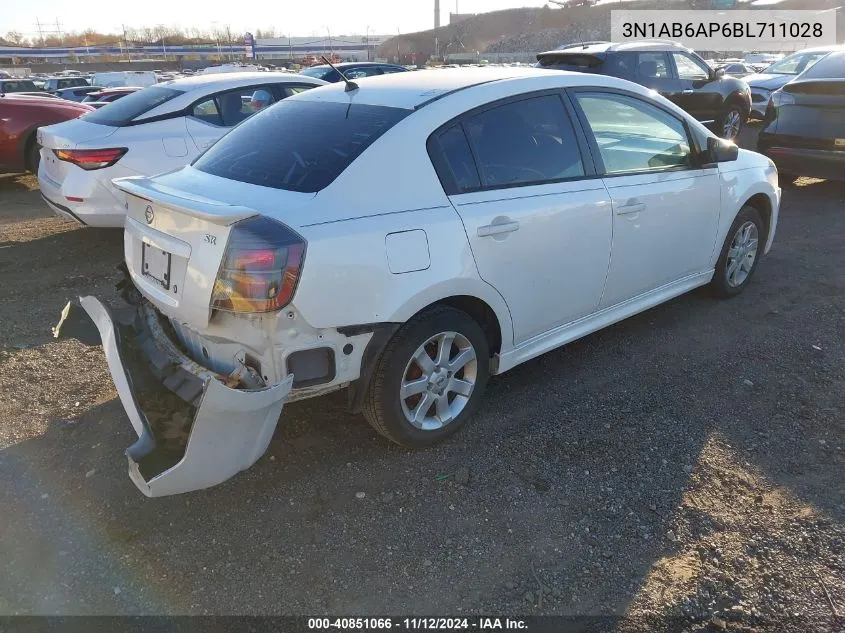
x,y
688,461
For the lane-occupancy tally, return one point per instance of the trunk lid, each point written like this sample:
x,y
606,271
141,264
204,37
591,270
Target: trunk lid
x,y
177,229
68,135
815,119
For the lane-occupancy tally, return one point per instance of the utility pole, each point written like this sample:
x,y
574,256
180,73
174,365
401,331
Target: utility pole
x,y
59,32
126,44
437,14
367,37
40,32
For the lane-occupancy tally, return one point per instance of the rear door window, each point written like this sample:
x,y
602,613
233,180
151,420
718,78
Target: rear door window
x,y
298,145
227,109
132,106
530,141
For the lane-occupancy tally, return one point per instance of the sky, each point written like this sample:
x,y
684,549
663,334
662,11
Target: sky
x,y
289,17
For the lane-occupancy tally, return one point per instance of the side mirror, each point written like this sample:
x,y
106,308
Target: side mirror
x,y
718,73
720,150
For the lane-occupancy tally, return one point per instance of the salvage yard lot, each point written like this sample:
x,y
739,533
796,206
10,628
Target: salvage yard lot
x,y
689,460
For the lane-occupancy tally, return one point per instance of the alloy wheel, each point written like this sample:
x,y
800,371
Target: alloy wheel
x,y
731,125
742,254
438,381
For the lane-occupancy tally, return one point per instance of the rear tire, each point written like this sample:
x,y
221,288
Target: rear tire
x,y
731,122
442,391
740,254
33,156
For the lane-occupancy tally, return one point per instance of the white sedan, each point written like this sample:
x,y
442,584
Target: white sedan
x,y
154,130
440,228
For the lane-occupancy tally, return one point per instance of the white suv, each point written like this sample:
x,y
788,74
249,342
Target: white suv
x,y
156,129
438,228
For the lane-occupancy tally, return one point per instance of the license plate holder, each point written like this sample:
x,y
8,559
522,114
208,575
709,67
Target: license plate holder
x,y
155,264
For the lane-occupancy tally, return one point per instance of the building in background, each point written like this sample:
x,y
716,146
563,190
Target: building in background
x,y
346,47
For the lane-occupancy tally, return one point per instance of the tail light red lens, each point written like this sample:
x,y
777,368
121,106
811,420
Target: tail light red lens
x,y
260,269
89,159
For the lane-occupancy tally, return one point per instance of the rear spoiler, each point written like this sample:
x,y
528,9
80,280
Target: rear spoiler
x,y
821,86
193,205
569,54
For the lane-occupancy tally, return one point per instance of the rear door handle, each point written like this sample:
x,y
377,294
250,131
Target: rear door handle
x,y
688,92
628,209
497,229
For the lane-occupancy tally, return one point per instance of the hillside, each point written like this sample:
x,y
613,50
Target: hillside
x,y
533,30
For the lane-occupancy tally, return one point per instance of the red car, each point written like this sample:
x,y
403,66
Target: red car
x,y
20,117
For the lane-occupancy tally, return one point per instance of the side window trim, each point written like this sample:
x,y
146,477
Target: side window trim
x,y
590,168
594,147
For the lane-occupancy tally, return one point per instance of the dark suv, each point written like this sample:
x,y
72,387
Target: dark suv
x,y
672,70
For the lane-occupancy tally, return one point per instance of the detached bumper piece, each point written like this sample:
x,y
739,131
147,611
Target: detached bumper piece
x,y
230,428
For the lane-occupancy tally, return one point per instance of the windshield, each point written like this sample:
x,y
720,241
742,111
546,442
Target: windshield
x,y
795,63
298,145
319,72
831,67
131,106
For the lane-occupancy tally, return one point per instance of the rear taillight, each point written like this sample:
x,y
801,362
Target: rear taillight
x,y
260,268
89,159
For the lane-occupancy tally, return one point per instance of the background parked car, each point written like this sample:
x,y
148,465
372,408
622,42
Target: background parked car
x,y
8,86
352,70
152,130
780,73
78,93
804,125
675,72
52,84
136,78
20,117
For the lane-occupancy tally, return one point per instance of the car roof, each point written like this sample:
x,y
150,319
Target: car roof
x,y
348,64
413,90
592,48
819,49
214,80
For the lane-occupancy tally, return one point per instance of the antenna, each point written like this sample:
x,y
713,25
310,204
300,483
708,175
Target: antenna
x,y
350,85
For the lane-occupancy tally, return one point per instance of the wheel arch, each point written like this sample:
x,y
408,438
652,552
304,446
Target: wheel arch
x,y
736,98
496,325
763,204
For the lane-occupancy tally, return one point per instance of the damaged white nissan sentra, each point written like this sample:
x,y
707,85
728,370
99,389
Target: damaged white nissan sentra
x,y
408,238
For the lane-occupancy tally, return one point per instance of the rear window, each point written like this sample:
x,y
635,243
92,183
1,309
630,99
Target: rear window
x,y
298,145
831,67
131,106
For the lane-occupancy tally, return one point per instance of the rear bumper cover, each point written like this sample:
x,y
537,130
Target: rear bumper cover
x,y
827,164
231,428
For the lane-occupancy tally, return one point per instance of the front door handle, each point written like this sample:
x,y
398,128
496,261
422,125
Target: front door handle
x,y
688,92
497,229
628,209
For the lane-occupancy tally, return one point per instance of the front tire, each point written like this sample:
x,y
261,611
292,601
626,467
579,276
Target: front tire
x,y
740,253
730,123
430,378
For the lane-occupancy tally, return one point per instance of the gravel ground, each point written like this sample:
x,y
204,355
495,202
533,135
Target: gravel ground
x,y
688,461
